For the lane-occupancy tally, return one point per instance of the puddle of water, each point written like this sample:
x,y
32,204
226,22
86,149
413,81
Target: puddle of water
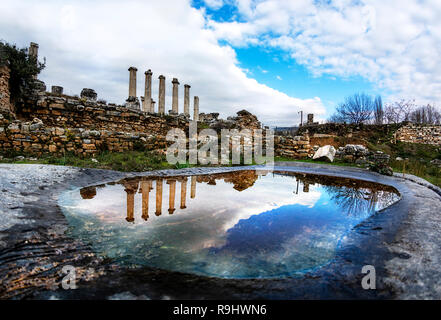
x,y
247,224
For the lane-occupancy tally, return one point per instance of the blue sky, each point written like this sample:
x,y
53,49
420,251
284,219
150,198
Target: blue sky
x,y
277,69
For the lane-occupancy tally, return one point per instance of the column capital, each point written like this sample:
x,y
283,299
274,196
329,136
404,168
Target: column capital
x,y
161,77
175,80
187,86
133,68
148,72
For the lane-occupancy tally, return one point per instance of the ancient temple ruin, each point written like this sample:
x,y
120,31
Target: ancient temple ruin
x,y
148,104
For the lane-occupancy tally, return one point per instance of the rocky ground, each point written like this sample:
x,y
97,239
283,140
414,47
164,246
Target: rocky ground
x,y
402,242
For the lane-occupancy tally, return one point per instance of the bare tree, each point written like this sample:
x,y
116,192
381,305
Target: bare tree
x,y
357,108
378,111
397,112
426,115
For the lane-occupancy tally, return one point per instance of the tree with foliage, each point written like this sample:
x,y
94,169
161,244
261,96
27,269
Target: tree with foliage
x,y
357,109
23,69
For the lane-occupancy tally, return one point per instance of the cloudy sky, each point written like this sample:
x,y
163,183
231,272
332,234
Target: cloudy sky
x,y
271,57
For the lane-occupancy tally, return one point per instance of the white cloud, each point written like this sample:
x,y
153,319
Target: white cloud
x,y
214,4
262,70
92,44
395,43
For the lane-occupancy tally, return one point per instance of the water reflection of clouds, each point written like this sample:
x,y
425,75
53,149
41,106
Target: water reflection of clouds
x,y
219,205
216,218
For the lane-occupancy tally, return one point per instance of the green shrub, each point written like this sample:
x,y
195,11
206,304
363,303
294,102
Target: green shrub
x,y
23,69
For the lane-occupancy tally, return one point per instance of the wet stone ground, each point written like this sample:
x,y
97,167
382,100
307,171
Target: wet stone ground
x,y
403,243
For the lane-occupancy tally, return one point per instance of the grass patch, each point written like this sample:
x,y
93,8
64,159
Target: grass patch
x,y
130,161
418,157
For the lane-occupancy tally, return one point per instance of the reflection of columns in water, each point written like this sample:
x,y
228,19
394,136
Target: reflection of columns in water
x,y
183,192
158,197
193,187
171,196
305,187
130,204
146,186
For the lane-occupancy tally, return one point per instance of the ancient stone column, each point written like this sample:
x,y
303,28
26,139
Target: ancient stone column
x,y
33,50
147,107
33,53
161,97
158,197
132,82
171,196
187,99
183,192
152,107
146,186
175,106
193,187
196,108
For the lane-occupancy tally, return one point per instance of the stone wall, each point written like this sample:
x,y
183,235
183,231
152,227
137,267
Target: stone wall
x,y
296,147
35,138
55,123
81,112
5,103
350,130
419,133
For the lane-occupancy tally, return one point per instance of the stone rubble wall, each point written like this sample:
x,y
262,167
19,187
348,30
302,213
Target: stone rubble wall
x,y
34,137
349,130
296,147
5,103
76,112
56,123
418,133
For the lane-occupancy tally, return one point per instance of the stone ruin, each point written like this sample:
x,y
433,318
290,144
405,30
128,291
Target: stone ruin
x,y
53,122
310,120
89,94
148,104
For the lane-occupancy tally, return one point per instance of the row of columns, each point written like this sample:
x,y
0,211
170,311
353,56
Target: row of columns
x,y
148,104
146,187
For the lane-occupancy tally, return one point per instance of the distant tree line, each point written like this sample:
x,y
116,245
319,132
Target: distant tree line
x,y
362,108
